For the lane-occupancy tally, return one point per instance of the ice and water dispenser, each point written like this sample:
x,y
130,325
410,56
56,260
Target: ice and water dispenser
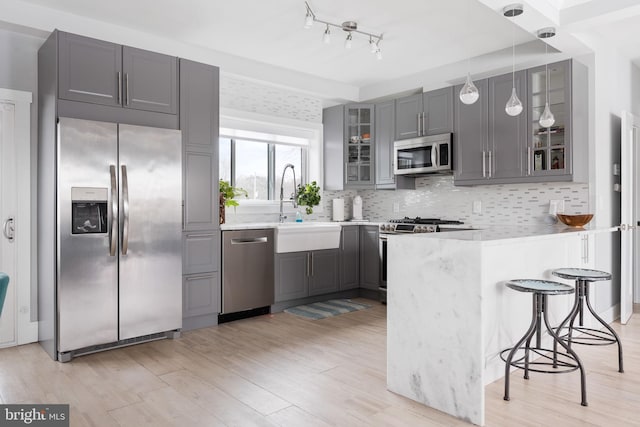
x,y
89,210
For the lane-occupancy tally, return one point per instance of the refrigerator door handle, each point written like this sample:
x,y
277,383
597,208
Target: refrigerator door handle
x,y
114,213
125,211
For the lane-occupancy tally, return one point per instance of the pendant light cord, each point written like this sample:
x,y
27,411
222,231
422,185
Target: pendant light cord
x,y
513,55
546,69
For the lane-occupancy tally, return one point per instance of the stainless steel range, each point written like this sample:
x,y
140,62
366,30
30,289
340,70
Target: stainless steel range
x,y
405,226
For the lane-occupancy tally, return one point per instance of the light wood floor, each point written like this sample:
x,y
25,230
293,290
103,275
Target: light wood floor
x,y
282,370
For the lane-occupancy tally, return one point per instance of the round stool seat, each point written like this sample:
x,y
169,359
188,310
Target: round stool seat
x,y
546,287
581,274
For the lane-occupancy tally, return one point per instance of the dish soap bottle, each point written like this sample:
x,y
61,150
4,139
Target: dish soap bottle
x,y
298,216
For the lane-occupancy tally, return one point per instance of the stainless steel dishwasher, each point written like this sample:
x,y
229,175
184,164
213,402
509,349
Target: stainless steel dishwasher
x,y
247,270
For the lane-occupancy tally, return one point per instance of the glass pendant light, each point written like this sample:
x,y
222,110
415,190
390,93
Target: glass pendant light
x,y
469,92
546,119
514,105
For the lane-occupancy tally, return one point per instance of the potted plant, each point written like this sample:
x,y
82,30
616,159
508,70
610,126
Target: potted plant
x,y
308,195
228,193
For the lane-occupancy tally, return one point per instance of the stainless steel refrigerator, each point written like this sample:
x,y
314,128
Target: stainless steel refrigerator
x,y
119,222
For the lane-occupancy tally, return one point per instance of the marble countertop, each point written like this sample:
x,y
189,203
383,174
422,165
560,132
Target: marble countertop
x,y
497,234
259,225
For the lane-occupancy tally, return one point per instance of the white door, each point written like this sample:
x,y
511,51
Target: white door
x,y
8,198
18,322
629,276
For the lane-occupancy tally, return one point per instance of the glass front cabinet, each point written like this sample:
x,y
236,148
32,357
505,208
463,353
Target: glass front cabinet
x,y
359,149
549,148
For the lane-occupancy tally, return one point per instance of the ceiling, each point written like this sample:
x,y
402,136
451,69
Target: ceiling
x,y
427,43
418,34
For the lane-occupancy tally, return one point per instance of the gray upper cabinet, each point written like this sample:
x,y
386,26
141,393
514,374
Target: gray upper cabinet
x,y
507,134
199,118
437,111
199,106
349,252
385,134
333,146
104,73
385,131
150,80
90,70
471,136
369,257
349,147
408,117
359,146
428,113
549,148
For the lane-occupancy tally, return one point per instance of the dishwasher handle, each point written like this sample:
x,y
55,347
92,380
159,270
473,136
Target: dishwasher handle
x,y
246,241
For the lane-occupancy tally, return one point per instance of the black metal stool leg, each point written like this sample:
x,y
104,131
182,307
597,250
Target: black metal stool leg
x,y
527,337
580,286
539,303
583,380
569,319
606,325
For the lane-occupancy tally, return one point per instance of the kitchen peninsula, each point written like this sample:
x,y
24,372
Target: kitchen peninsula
x,y
450,314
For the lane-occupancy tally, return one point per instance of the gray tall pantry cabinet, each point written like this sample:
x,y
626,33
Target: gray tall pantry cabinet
x,y
199,122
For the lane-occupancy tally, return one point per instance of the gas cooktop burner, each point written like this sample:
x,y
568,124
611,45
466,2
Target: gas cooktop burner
x,y
431,221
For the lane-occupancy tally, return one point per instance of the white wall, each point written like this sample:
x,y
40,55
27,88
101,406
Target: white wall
x,y
615,87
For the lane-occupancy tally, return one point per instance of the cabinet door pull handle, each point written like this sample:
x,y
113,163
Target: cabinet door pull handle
x,y
189,278
528,160
424,123
245,241
311,264
119,94
490,163
190,236
419,120
484,164
126,86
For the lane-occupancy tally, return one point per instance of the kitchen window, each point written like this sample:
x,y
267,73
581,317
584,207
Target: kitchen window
x,y
254,161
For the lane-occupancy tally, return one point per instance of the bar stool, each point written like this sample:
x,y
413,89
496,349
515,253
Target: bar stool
x,y
583,278
560,362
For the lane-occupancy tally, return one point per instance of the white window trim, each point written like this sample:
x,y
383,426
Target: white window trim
x,y
26,330
237,119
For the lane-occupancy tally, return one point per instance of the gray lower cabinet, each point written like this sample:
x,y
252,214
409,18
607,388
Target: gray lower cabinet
x,y
324,271
303,274
349,257
99,72
200,251
292,276
385,133
200,296
369,257
199,111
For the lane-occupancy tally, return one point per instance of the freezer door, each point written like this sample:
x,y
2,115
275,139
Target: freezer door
x,y
151,224
87,273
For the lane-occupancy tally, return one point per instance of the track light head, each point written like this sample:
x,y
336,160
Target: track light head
x,y
347,42
326,37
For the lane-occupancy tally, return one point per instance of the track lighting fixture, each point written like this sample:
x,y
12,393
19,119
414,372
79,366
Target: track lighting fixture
x,y
350,27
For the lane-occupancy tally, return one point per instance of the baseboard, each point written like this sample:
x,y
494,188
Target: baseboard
x,y
197,322
611,314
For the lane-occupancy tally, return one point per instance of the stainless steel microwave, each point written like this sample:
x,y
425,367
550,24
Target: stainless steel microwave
x,y
422,155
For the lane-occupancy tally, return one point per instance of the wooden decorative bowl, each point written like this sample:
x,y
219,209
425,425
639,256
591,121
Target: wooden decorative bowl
x,y
579,220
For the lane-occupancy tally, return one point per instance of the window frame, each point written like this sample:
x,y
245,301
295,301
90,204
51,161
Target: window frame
x,y
272,174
